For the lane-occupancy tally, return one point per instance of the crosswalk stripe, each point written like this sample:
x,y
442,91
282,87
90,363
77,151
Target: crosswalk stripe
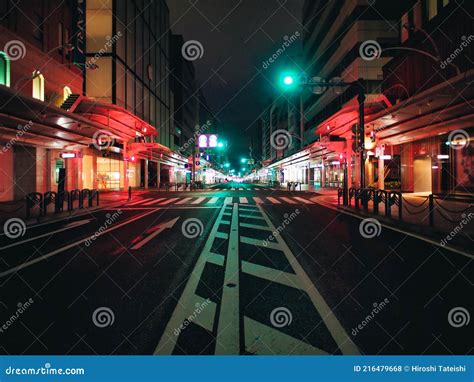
x,y
182,201
140,201
273,200
228,200
168,201
243,200
305,201
213,200
288,200
154,201
258,200
198,200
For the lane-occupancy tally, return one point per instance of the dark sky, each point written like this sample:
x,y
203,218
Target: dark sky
x,y
237,37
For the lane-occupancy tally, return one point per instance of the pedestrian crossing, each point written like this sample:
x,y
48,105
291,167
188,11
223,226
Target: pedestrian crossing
x,y
213,201
241,189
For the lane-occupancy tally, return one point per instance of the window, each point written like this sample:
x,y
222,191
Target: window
x,y
38,85
4,69
60,38
66,92
431,8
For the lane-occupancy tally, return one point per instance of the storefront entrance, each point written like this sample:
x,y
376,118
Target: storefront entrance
x,y
422,174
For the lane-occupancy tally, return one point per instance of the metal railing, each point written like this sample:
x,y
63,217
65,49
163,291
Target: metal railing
x,y
431,205
41,202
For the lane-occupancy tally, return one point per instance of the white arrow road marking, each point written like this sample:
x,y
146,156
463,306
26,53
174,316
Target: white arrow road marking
x,y
159,228
66,227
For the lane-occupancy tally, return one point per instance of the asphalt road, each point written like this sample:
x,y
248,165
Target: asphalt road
x,y
237,269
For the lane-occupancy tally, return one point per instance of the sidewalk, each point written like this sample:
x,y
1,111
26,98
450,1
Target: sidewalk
x,y
453,221
17,209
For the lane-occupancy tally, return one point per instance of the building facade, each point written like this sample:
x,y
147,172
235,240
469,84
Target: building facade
x,y
86,87
417,121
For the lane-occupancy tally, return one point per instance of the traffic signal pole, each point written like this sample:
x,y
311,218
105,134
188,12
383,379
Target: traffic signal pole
x,y
359,84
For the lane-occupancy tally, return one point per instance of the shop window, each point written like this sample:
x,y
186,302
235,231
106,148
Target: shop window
x,y
38,86
4,69
66,92
431,8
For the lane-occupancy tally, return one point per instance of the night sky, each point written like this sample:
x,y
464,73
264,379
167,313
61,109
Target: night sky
x,y
237,37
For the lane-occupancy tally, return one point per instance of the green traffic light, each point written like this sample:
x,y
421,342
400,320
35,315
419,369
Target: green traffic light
x,y
227,165
288,80
243,160
220,145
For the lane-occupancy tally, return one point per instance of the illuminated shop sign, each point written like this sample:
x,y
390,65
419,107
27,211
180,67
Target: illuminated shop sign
x,y
207,140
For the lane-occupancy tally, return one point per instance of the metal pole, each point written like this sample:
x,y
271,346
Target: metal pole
x,y
301,120
361,99
345,183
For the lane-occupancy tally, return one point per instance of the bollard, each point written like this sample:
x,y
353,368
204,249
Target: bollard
x,y
129,192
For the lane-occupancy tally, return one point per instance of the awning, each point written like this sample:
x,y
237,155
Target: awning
x,y
117,119
436,111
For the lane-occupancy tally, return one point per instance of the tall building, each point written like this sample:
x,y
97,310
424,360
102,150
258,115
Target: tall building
x,y
184,90
85,86
334,32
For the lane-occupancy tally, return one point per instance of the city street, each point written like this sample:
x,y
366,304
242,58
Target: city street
x,y
233,269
